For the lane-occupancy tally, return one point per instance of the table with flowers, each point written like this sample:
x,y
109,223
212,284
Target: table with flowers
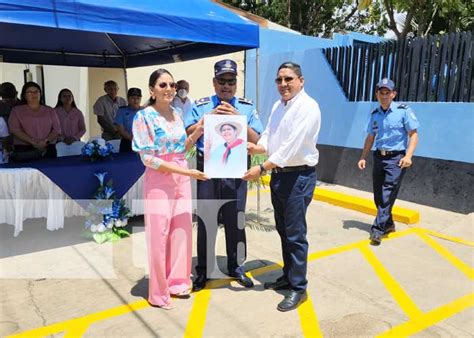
x,y
62,187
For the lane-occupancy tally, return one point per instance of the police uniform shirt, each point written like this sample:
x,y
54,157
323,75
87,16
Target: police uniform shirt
x,y
124,117
391,127
207,104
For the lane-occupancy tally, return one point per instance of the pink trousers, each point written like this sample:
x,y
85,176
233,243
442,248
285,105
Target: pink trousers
x,y
168,231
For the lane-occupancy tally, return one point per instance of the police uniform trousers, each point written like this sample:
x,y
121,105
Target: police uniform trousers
x,y
221,201
291,193
386,178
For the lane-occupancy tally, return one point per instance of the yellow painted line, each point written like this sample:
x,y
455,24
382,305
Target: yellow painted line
x,y
308,319
200,308
83,321
397,292
361,204
431,318
197,317
449,238
75,332
446,254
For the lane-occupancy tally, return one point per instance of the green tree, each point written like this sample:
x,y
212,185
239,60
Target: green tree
x,y
316,17
324,17
423,17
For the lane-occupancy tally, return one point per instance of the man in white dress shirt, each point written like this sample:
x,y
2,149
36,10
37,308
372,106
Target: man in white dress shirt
x,y
289,140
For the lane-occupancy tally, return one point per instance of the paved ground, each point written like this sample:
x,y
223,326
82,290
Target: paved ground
x,y
418,282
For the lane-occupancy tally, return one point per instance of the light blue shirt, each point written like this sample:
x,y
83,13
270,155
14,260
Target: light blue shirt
x,y
391,128
124,117
207,104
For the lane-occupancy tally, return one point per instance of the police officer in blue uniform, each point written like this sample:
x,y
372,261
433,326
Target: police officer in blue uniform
x,y
227,195
393,129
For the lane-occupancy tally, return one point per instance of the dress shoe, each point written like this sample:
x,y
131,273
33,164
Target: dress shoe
x,y
199,283
244,281
280,284
375,239
292,301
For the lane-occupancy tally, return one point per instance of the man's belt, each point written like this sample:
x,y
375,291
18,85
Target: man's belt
x,y
292,169
389,152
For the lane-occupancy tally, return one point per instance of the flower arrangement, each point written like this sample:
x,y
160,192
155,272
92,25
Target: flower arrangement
x,y
106,215
97,149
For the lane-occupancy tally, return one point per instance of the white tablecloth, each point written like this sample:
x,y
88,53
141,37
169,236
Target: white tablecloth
x,y
28,193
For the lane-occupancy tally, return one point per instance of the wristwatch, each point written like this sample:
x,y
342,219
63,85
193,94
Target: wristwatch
x,y
263,171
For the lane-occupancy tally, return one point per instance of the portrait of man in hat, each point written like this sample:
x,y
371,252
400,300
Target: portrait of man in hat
x,y
225,152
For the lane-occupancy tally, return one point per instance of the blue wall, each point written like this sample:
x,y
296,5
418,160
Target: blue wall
x,y
446,130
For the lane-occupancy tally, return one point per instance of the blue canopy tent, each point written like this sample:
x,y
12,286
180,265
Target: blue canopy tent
x,y
119,33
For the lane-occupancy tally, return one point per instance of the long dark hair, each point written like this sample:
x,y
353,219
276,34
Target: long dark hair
x,y
60,103
152,81
24,89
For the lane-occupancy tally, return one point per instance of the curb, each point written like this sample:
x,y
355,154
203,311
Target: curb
x,y
365,205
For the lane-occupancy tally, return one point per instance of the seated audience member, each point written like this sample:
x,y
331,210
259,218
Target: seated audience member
x,y
3,140
70,117
9,99
182,100
124,119
106,108
33,124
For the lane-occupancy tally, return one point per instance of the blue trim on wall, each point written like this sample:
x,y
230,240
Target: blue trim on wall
x,y
446,129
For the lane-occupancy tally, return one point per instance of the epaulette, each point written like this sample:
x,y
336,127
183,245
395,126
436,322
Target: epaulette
x,y
402,106
202,101
374,111
245,101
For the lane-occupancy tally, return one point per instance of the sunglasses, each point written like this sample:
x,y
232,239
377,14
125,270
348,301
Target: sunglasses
x,y
163,85
230,82
287,79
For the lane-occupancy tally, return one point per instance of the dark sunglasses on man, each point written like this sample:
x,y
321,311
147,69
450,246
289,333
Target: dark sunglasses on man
x,y
287,79
230,82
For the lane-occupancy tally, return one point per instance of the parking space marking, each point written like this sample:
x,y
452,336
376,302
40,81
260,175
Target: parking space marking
x,y
197,316
308,319
446,237
430,318
82,322
401,297
446,254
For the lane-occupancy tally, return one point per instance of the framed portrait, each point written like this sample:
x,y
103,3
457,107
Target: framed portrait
x,y
225,146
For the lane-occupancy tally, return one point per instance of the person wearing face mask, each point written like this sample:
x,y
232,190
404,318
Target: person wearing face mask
x,y
124,119
182,101
231,192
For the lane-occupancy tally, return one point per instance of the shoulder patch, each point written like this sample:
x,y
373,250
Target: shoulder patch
x,y
202,101
402,106
245,101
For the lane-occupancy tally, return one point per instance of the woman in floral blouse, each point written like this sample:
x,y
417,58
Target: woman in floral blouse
x,y
160,139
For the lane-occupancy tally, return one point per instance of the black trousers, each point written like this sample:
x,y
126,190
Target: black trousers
x,y
125,146
221,201
386,179
292,192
